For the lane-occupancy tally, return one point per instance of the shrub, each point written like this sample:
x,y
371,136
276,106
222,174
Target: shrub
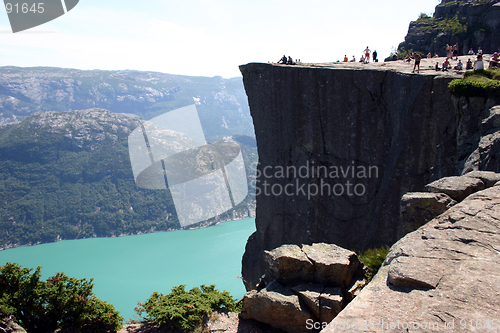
x,y
59,302
373,259
477,84
184,309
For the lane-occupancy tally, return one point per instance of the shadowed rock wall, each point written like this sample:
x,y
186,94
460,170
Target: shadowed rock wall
x,y
401,127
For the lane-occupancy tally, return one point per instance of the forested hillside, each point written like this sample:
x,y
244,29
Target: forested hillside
x,y
67,175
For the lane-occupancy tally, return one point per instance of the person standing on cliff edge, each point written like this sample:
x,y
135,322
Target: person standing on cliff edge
x,y
367,55
374,56
417,58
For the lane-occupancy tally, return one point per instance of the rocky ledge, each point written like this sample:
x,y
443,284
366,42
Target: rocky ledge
x,y
441,277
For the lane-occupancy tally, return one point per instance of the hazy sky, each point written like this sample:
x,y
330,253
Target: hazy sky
x,y
208,37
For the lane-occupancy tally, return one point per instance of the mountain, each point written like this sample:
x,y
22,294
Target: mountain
x,y
68,175
471,24
221,103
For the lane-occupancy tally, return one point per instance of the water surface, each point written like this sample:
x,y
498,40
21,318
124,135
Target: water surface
x,y
128,269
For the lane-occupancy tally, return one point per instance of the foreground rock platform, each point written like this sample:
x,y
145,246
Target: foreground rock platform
x,y
442,277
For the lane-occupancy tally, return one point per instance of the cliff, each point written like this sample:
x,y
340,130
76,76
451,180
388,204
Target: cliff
x,y
471,24
397,131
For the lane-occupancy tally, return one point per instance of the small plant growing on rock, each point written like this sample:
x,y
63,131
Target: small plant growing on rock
x,y
185,309
373,259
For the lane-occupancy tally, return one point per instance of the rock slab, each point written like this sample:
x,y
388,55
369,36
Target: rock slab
x,y
443,274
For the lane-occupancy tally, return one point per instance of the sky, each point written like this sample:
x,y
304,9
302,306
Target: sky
x,y
208,37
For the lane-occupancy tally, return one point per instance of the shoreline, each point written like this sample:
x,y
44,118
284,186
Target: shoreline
x,y
135,234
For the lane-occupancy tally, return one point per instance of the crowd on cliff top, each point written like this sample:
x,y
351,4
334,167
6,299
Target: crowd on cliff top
x,y
365,58
452,52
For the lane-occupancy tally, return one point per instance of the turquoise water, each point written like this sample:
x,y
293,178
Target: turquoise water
x,y
128,269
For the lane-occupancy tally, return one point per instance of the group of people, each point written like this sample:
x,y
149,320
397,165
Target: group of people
x,y
365,57
288,61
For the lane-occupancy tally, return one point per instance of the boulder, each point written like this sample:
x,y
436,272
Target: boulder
x,y
458,188
418,208
277,306
333,265
313,279
489,178
288,264
438,277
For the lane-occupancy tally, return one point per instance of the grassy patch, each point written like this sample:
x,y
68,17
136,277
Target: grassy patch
x,y
477,84
373,259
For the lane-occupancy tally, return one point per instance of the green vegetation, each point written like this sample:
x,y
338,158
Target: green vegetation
x,y
451,25
183,309
59,302
373,259
477,84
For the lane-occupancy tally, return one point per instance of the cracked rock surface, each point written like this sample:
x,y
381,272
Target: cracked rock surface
x,y
443,273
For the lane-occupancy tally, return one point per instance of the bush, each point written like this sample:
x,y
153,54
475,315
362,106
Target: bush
x,y
373,259
183,309
59,302
477,84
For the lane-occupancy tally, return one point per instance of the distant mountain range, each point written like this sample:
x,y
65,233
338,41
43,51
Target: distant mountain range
x,y
67,175
221,103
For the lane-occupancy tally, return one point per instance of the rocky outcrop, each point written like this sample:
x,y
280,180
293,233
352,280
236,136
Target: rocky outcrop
x,y
479,138
441,277
471,24
376,133
419,208
304,285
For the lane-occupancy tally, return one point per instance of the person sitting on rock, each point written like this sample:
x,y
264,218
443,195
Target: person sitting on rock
x,y
479,64
290,61
468,65
353,59
282,60
459,65
446,65
429,55
471,51
494,61
437,68
345,58
436,55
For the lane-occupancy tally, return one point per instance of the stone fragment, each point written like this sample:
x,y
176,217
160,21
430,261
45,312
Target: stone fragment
x,y
418,208
415,272
287,264
277,306
334,266
489,178
458,188
330,304
310,294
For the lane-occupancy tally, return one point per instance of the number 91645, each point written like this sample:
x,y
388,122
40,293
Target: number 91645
x,y
24,8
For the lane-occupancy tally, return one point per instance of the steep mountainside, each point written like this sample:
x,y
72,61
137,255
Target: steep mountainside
x,y
221,103
68,175
471,24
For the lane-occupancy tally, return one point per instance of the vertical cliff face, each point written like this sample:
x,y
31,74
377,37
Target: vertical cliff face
x,y
337,150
